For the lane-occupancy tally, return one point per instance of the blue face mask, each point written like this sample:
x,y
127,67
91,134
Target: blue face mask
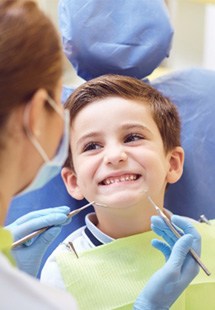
x,y
51,167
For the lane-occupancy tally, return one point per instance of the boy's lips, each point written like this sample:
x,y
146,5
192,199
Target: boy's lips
x,y
128,177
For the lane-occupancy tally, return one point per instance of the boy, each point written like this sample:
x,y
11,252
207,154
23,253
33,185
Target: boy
x,y
125,145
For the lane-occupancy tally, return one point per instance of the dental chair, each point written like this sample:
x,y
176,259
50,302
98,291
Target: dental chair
x,y
135,47
101,37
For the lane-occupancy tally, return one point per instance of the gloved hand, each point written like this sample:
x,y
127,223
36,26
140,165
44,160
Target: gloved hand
x,y
169,282
29,255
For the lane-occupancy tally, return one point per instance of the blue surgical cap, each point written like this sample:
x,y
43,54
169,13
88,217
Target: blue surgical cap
x,y
129,37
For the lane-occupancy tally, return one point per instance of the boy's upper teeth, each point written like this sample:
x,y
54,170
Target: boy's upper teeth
x,y
123,178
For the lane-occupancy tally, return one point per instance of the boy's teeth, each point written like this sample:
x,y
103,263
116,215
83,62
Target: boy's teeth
x,y
123,178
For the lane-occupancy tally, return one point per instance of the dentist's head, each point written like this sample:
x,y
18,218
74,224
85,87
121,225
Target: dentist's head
x,y
33,134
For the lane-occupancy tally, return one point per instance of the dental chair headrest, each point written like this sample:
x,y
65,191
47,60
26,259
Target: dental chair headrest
x,y
128,37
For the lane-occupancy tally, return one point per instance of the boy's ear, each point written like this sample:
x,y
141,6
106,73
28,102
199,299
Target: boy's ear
x,y
176,163
70,181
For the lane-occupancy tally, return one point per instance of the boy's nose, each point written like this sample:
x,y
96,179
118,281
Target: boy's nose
x,y
115,158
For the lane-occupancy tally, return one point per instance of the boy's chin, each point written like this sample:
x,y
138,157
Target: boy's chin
x,y
123,201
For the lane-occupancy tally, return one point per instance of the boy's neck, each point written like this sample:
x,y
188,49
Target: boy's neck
x,y
125,222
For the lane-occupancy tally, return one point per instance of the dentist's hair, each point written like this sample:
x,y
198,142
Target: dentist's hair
x,y
164,112
30,54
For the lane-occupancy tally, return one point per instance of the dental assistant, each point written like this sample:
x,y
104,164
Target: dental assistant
x,y
33,146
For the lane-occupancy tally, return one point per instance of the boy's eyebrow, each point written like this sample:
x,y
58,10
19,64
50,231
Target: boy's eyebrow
x,y
134,125
91,134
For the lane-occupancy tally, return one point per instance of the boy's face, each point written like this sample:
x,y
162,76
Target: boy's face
x,y
117,153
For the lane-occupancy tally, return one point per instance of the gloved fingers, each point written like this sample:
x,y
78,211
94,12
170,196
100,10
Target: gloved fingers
x,y
51,219
163,247
29,258
160,225
40,213
188,228
51,232
68,221
182,225
37,223
31,241
45,239
185,225
161,229
180,252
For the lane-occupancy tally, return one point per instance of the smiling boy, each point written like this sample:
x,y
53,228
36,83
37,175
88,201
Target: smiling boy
x,y
122,143
125,140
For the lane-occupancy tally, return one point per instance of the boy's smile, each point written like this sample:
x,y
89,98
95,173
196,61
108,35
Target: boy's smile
x,y
119,179
117,152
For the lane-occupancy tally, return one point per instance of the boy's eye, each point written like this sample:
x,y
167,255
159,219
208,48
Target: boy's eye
x,y
91,146
133,137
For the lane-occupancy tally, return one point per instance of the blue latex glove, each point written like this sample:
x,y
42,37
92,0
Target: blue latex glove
x,y
28,256
169,282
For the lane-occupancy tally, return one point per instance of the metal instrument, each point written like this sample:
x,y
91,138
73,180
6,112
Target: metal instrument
x,y
41,230
178,235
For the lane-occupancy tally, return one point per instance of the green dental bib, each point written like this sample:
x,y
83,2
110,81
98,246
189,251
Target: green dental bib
x,y
111,276
6,240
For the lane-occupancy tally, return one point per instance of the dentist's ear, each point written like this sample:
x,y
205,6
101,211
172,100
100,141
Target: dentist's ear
x,y
36,119
70,181
176,163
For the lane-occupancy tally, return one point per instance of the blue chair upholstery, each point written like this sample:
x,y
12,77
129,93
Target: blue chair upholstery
x,y
193,91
